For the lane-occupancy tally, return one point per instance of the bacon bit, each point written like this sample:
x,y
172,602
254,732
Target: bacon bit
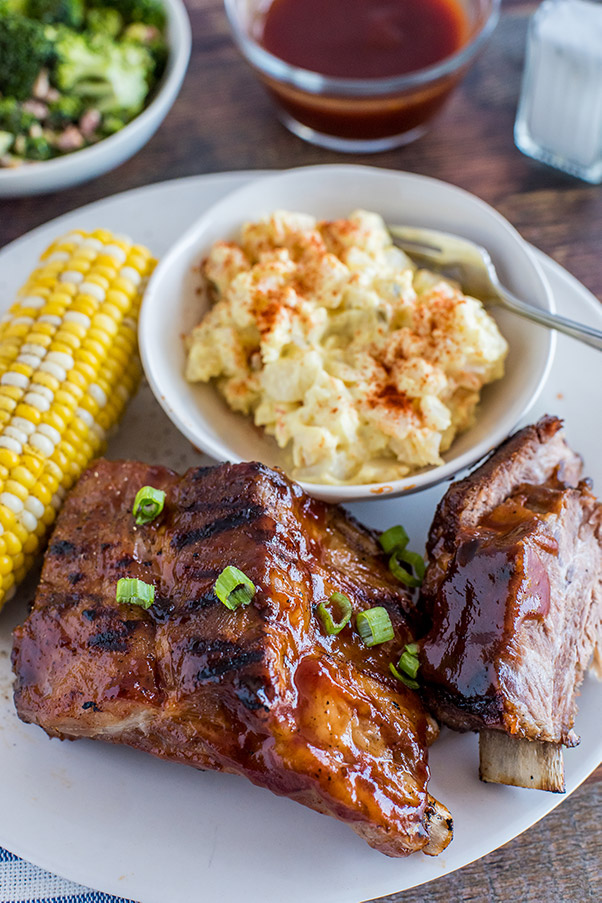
x,y
41,86
89,122
148,33
70,139
36,108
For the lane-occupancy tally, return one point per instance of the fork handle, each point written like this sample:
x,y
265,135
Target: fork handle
x,y
587,334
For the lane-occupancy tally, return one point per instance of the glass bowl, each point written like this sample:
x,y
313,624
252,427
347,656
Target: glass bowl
x,y
357,115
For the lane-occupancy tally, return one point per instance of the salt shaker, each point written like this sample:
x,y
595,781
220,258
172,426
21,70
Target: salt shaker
x,y
559,118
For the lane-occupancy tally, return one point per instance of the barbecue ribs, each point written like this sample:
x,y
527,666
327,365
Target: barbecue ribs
x,y
513,591
260,691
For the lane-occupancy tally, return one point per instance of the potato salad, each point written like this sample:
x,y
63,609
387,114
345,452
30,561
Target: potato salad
x,y
359,364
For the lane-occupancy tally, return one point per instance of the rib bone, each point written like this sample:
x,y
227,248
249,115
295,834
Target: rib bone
x,y
521,763
440,827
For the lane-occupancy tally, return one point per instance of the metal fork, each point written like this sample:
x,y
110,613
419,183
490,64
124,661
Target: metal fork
x,y
471,266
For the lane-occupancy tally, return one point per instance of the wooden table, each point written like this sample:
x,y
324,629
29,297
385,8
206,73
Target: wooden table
x,y
223,121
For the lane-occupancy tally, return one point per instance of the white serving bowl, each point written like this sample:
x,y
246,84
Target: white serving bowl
x,y
83,165
172,307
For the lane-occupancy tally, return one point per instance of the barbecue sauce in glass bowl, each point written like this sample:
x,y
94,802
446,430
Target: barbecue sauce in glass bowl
x,y
364,38
360,75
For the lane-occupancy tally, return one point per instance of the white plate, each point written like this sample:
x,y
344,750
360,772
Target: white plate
x,y
123,822
172,308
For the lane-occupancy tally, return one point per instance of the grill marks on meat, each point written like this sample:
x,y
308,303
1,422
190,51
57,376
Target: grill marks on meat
x,y
514,591
260,691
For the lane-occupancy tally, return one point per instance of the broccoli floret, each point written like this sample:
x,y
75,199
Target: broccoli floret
x,y
6,142
64,111
57,12
150,37
149,12
105,21
111,124
24,49
13,118
160,53
111,77
32,147
13,6
37,148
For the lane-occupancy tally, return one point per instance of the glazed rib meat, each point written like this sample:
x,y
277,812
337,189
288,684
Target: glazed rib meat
x,y
260,691
513,591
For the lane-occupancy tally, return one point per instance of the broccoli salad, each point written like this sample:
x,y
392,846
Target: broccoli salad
x,y
73,72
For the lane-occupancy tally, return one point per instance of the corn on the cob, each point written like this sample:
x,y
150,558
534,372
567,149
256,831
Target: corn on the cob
x,y
68,365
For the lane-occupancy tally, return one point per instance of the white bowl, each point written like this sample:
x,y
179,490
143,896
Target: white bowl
x,y
82,165
172,307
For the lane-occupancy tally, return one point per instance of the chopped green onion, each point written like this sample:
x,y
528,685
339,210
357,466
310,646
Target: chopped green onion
x,y
414,560
412,684
394,538
234,588
407,666
394,542
148,504
374,626
408,663
344,605
135,592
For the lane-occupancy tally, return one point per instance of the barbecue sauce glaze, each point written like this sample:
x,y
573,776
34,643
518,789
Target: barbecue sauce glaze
x,y
261,691
496,580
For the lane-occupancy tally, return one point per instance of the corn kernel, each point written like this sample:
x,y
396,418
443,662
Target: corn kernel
x,y
16,488
46,379
42,492
20,532
20,573
53,419
6,565
8,458
119,299
85,304
32,544
24,476
13,545
28,412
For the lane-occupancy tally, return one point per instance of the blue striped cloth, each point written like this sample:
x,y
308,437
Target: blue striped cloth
x,y
21,882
